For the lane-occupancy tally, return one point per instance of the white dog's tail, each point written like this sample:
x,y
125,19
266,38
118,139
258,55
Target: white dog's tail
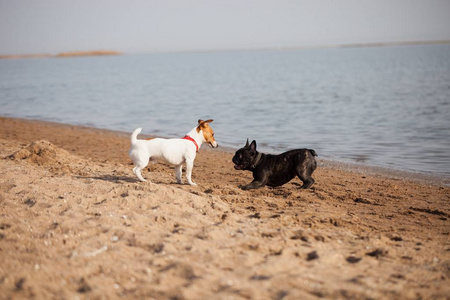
x,y
135,134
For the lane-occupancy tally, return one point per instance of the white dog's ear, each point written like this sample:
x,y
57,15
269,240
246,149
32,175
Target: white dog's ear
x,y
203,124
200,121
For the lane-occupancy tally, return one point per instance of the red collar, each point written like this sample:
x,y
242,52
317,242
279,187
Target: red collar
x,y
186,137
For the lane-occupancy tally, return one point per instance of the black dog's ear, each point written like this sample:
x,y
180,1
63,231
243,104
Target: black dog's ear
x,y
253,146
246,144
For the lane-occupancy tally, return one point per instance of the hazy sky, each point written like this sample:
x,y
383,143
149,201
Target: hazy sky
x,y
52,26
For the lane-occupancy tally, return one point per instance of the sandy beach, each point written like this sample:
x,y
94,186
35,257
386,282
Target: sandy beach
x,y
76,223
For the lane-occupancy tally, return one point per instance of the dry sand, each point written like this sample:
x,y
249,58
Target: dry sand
x,y
75,223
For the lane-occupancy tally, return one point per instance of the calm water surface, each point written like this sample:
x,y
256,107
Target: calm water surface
x,y
387,107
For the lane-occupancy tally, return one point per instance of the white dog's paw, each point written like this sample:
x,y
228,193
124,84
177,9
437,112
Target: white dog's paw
x,y
193,183
139,176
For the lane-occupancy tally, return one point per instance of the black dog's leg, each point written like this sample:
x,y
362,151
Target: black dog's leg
x,y
305,176
253,185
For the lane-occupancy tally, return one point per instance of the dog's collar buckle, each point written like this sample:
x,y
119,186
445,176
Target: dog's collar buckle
x,y
186,137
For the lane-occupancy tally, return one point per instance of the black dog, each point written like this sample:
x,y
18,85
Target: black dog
x,y
275,170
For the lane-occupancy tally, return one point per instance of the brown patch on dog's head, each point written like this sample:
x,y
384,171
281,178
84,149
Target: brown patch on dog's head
x,y
208,132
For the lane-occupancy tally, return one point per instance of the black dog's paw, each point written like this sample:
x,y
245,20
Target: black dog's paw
x,y
244,187
307,184
253,185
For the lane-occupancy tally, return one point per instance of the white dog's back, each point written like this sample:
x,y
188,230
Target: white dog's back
x,y
171,150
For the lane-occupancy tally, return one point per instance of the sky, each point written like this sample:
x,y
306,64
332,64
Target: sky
x,y
140,26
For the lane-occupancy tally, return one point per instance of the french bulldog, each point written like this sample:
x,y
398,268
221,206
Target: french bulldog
x,y
275,170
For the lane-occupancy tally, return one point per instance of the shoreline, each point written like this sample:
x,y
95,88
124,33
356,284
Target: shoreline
x,y
418,176
76,223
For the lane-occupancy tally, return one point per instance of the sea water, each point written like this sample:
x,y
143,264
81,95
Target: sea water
x,y
386,106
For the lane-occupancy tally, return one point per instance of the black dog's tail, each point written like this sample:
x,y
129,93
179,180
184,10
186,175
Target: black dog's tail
x,y
313,153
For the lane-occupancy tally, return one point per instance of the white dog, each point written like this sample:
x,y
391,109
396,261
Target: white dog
x,y
174,151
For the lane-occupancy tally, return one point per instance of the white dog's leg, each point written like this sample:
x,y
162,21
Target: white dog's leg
x,y
137,172
178,173
189,166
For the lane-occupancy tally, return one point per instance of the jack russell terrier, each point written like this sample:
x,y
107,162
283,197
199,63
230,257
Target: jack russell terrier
x,y
174,151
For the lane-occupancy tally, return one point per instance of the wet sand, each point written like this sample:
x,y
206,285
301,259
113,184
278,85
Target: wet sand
x,y
75,222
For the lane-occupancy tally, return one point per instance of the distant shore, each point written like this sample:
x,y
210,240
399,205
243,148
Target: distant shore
x,y
112,52
63,54
88,53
